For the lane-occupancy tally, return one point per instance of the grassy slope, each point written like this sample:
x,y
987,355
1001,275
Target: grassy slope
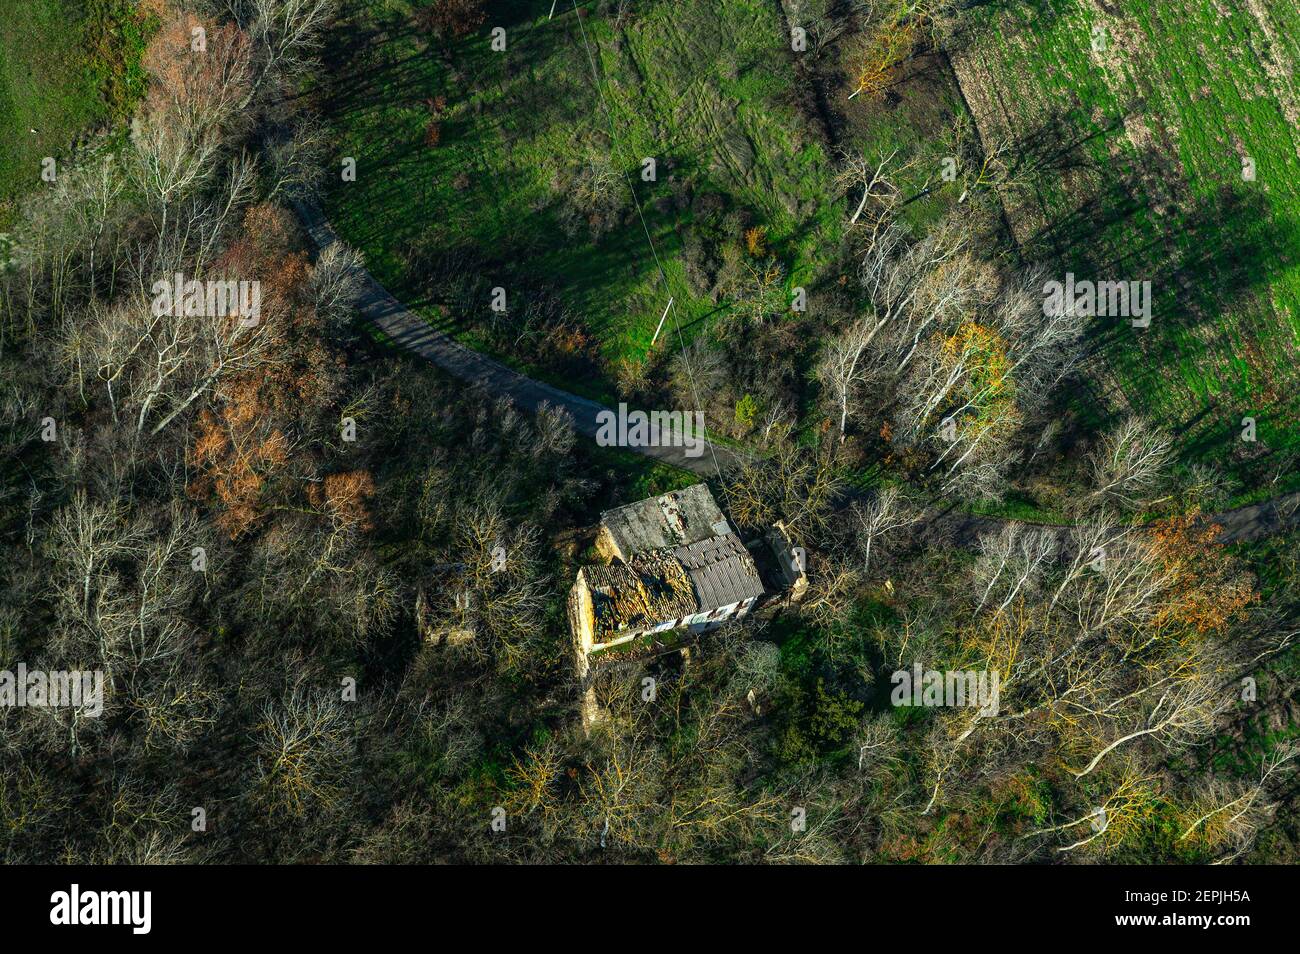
x,y
45,84
66,67
697,84
1155,128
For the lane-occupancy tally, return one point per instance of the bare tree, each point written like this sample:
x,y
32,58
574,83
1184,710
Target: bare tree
x,y
843,368
288,34
968,381
155,362
336,282
794,483
1126,806
1230,815
1187,709
1014,560
296,160
197,91
878,520
875,183
303,750
994,165
1130,463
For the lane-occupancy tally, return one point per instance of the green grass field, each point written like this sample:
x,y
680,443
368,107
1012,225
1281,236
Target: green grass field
x,y
1137,150
68,68
1140,149
699,86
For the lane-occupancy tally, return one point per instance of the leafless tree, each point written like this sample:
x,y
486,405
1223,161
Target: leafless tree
x,y
336,282
288,35
1227,814
994,165
1127,803
966,382
875,183
877,521
1130,463
1014,561
195,97
154,366
843,368
1187,709
297,160
794,483
303,749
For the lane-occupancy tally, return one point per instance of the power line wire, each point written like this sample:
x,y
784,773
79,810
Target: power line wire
x,y
663,276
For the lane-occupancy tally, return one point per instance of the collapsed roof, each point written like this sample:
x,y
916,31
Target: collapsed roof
x,y
670,584
651,589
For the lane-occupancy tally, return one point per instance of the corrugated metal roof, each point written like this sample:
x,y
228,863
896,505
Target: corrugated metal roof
x,y
671,520
721,571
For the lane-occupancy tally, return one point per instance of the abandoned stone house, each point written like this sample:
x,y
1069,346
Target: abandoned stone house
x,y
674,566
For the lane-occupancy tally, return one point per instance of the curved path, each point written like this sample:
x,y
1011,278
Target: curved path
x,y
414,334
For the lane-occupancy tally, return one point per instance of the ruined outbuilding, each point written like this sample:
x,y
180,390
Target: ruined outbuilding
x,y
675,567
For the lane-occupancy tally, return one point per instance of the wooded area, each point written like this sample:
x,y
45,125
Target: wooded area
x,y
326,582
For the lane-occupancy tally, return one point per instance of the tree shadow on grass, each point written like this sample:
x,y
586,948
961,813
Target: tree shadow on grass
x,y
409,212
981,19
1216,256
